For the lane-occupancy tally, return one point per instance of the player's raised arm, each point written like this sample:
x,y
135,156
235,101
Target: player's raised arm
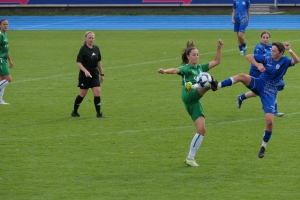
x,y
287,47
259,66
218,57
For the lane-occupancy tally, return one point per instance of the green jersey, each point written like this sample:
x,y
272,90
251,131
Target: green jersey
x,y
189,73
3,46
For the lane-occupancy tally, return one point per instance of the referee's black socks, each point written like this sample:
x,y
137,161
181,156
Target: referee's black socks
x,y
97,102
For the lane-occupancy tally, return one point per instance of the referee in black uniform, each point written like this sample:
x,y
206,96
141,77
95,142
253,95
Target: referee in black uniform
x,y
89,62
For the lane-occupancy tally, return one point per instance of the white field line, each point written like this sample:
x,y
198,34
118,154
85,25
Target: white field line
x,y
54,23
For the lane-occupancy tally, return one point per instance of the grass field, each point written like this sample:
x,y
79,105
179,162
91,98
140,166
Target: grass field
x,y
137,152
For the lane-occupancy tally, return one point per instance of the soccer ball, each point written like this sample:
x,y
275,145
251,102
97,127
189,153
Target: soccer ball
x,y
204,80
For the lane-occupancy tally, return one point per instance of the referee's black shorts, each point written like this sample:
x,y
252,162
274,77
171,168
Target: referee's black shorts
x,y
88,82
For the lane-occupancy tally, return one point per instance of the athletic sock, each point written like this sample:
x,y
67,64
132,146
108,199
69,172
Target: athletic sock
x,y
3,83
275,107
196,86
264,144
244,45
77,103
243,96
266,138
226,83
1,93
240,47
195,144
97,103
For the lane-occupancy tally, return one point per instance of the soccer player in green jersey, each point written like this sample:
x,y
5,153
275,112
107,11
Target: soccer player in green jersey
x,y
5,76
188,72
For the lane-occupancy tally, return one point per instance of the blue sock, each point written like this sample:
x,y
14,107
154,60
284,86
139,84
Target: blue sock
x,y
244,45
267,136
276,108
226,82
243,96
241,47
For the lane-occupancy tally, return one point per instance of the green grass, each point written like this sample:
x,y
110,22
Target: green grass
x,y
137,152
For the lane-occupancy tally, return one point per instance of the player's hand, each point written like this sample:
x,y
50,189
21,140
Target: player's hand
x,y
261,67
220,43
287,46
101,79
160,70
11,65
233,21
87,74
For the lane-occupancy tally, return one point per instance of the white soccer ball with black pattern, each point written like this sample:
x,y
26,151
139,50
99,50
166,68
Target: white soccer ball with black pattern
x,y
204,79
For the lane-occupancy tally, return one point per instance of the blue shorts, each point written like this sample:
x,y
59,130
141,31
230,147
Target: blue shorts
x,y
238,27
267,93
280,85
256,73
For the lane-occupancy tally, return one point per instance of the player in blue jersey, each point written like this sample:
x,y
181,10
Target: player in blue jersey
x,y
5,77
262,48
266,85
240,18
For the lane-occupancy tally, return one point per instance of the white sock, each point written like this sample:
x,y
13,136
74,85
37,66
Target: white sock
x,y
1,93
3,83
195,144
196,86
264,144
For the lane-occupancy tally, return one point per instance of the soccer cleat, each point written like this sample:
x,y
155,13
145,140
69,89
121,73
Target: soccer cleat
x,y
242,53
278,114
191,162
75,114
100,115
214,84
188,86
245,49
3,103
261,152
239,102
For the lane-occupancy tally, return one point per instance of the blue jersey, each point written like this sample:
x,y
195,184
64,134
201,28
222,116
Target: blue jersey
x,y
266,85
241,8
275,70
260,49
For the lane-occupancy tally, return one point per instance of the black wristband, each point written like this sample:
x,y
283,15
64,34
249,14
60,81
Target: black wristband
x,y
101,74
